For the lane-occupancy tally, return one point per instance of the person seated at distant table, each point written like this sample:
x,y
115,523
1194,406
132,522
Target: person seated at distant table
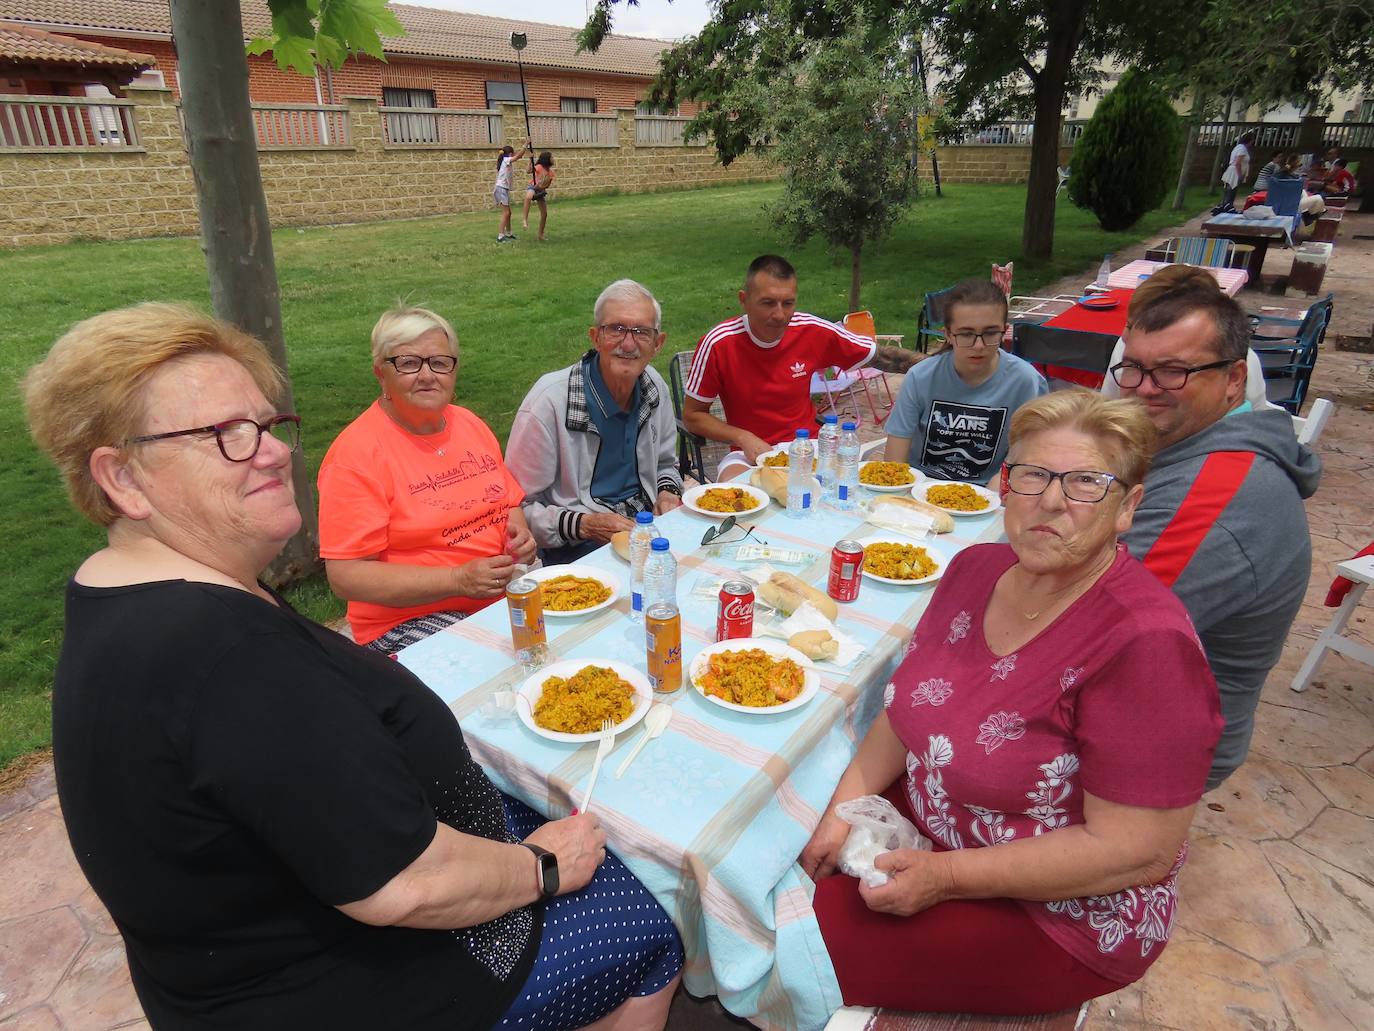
x,y
759,365
595,443
951,415
1338,180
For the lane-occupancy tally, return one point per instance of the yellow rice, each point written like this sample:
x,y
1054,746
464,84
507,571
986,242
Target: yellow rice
x,y
959,496
577,704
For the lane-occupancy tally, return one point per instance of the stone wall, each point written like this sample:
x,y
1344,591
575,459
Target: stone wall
x,y
985,163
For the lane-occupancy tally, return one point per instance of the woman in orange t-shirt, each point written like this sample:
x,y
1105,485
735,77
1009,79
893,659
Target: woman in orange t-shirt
x,y
420,521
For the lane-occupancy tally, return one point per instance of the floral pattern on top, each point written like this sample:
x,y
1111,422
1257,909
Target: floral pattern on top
x,y
1003,667
999,728
934,691
958,628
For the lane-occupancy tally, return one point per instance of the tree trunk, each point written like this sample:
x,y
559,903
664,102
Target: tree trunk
x,y
1066,19
855,273
234,230
1214,180
1189,149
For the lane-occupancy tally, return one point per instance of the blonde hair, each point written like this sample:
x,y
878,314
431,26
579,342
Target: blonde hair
x,y
1119,427
89,391
404,323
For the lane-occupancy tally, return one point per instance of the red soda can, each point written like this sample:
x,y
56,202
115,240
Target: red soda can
x,y
846,563
735,611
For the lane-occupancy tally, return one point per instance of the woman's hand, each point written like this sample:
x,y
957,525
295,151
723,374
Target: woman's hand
x,y
821,855
520,544
580,845
483,577
667,501
916,881
602,526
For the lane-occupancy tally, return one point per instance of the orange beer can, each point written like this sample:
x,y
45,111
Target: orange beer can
x,y
663,641
527,623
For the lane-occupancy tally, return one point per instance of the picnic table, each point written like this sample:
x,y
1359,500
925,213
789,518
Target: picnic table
x,y
1129,276
712,816
1259,232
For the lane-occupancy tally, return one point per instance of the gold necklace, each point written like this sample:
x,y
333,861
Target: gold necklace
x,y
1057,595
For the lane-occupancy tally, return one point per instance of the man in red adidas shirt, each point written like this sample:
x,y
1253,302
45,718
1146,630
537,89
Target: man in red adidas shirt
x,y
1222,521
760,365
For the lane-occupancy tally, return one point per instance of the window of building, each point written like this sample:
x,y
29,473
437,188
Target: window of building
x,y
503,93
410,128
577,105
646,108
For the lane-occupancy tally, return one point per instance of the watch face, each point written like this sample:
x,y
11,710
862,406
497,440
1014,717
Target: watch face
x,y
548,873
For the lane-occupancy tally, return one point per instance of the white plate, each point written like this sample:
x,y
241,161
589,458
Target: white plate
x,y
899,489
994,500
781,449
533,688
689,499
590,572
938,553
811,682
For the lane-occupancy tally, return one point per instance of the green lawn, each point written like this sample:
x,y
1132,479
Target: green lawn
x,y
520,310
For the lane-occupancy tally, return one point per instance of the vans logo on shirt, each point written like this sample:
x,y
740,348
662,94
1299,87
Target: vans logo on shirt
x,y
960,421
798,370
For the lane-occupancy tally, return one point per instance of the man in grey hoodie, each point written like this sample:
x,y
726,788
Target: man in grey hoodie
x,y
1222,521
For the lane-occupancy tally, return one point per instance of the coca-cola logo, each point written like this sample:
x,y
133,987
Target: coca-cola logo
x,y
738,608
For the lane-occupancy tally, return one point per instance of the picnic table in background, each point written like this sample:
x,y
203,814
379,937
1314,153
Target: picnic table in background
x,y
712,816
1129,275
1108,320
1256,231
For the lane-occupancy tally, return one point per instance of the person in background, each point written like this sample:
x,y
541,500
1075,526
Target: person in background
x,y
420,520
595,443
1271,168
1049,730
500,192
289,831
1237,169
1222,521
759,365
1338,180
538,190
953,411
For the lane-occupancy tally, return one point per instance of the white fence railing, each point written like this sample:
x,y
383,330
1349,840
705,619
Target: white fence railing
x,y
439,127
573,130
1017,133
1349,134
300,126
1269,136
67,123
663,130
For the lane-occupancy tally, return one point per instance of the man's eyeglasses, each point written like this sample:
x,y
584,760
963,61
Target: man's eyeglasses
x,y
239,439
409,364
1086,485
1165,377
614,333
714,534
989,337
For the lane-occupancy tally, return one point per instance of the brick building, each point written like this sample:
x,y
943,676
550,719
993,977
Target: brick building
x,y
446,59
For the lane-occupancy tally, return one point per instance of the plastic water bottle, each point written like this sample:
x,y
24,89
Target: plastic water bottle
x,y
847,466
800,475
1103,271
827,442
660,575
641,539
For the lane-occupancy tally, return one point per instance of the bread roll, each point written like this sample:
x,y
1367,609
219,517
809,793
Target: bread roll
x,y
773,480
787,593
815,644
620,541
943,521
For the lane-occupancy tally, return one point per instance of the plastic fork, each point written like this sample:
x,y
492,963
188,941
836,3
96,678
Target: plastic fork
x,y
603,749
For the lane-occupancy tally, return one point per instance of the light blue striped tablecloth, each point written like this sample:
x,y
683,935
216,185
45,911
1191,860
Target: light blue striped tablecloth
x,y
712,815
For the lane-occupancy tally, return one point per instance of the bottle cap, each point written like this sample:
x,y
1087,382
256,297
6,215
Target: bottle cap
x,y
803,434
644,518
850,426
660,544
830,418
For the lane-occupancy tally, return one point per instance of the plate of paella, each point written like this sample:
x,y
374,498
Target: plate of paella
x,y
958,499
567,700
754,675
716,500
903,562
888,477
777,458
576,590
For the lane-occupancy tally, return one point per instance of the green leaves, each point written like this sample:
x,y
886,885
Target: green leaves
x,y
309,33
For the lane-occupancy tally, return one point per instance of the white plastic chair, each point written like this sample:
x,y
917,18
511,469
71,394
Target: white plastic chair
x,y
1332,639
1310,428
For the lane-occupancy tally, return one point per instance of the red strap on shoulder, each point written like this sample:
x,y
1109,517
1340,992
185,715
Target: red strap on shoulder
x,y
1217,482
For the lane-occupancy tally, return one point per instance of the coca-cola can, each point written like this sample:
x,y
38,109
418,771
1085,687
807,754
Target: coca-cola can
x,y
846,564
735,611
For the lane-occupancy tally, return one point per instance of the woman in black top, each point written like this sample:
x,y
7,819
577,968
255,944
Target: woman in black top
x,y
288,830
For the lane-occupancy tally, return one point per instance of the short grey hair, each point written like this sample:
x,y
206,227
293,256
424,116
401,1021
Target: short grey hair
x,y
629,291
404,323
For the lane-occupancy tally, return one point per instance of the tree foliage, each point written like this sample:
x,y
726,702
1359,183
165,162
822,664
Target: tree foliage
x,y
309,33
1125,161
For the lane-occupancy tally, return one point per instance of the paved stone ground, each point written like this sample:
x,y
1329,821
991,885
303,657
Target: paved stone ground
x,y
1276,926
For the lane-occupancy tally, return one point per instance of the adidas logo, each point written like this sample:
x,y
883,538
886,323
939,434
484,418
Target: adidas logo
x,y
798,370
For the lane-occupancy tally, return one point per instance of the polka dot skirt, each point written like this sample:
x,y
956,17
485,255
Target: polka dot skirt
x,y
601,945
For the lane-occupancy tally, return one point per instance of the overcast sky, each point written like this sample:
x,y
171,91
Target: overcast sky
x,y
657,18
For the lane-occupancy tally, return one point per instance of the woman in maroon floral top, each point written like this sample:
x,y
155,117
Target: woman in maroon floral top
x,y
1055,704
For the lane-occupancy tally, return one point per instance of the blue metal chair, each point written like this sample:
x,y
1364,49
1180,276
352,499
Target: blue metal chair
x,y
1288,366
1284,196
930,324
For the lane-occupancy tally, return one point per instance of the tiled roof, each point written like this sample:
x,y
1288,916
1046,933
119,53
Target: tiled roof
x,y
24,44
430,33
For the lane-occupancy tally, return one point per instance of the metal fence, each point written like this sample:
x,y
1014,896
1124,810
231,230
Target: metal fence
x,y
439,127
298,126
1349,134
1016,133
663,130
67,123
573,130
1268,135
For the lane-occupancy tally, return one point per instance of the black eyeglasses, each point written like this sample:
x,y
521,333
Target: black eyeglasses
x,y
409,364
1086,485
714,533
239,439
614,333
989,337
1165,377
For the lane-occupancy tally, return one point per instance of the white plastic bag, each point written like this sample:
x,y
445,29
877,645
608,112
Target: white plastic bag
x,y
875,827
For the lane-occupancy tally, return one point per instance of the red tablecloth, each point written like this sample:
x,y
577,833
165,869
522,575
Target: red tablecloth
x,y
1111,321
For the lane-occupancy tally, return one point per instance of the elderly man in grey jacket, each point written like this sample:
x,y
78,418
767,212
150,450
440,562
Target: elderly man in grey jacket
x,y
595,443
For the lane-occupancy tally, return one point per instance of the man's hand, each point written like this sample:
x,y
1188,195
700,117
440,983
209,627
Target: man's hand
x,y
520,544
667,501
483,577
916,881
752,446
601,526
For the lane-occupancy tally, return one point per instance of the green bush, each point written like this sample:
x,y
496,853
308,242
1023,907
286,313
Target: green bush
x,y
1127,158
